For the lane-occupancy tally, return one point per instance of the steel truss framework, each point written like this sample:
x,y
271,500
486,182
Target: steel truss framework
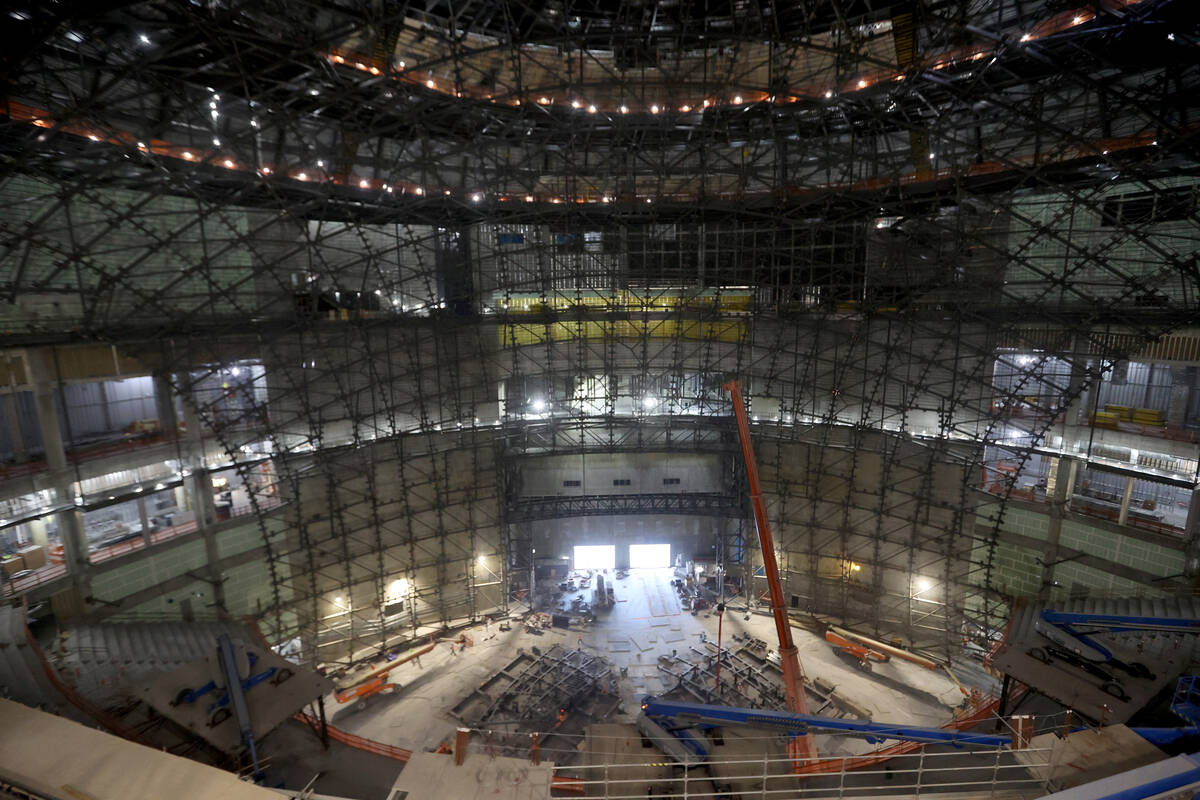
x,y
555,230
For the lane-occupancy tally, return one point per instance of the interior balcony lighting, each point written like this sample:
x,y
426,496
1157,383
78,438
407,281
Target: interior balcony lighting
x,y
543,100
264,171
401,64
828,94
737,99
685,108
228,163
302,176
216,142
528,198
476,197
430,84
419,190
93,137
576,104
364,183
320,164
339,60
1026,37
624,109
446,192
654,109
862,84
591,109
374,70
707,103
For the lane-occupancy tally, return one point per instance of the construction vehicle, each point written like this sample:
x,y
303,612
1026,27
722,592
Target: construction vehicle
x,y
1068,636
866,649
793,674
376,681
862,652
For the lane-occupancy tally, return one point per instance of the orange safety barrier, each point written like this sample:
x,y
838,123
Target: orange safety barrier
x,y
357,742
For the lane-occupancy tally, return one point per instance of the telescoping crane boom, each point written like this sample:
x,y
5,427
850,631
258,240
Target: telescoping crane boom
x,y
793,674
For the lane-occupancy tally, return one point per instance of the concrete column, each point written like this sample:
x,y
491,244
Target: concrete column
x,y
1058,493
12,421
104,409
202,498
37,533
144,518
1181,394
1124,517
70,523
164,404
1191,564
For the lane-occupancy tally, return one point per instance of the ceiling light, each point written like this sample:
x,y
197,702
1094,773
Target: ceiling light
x,y
314,92
476,197
624,109
1077,20
576,104
1026,37
320,163
431,84
543,100
685,108
1170,37
591,109
828,94
303,176
539,404
654,109
229,163
862,84
187,154
419,190
528,198
216,142
266,170
93,137
143,38
737,99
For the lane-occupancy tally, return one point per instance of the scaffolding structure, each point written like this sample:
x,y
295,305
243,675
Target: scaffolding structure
x,y
406,252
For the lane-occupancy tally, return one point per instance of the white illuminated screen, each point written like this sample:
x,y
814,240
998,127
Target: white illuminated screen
x,y
595,556
649,556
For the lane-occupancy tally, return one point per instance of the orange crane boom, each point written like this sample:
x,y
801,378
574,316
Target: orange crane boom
x,y
789,658
376,681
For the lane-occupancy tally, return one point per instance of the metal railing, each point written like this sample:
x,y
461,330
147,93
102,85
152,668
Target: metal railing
x,y
985,773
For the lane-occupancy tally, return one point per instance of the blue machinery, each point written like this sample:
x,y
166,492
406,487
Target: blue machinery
x,y
1072,630
676,728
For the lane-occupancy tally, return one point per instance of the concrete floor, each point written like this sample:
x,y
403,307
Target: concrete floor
x,y
646,622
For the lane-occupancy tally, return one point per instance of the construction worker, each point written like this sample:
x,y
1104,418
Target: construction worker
x,y
453,652
580,639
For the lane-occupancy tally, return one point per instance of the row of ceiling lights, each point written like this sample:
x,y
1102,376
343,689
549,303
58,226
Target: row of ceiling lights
x,y
1056,24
